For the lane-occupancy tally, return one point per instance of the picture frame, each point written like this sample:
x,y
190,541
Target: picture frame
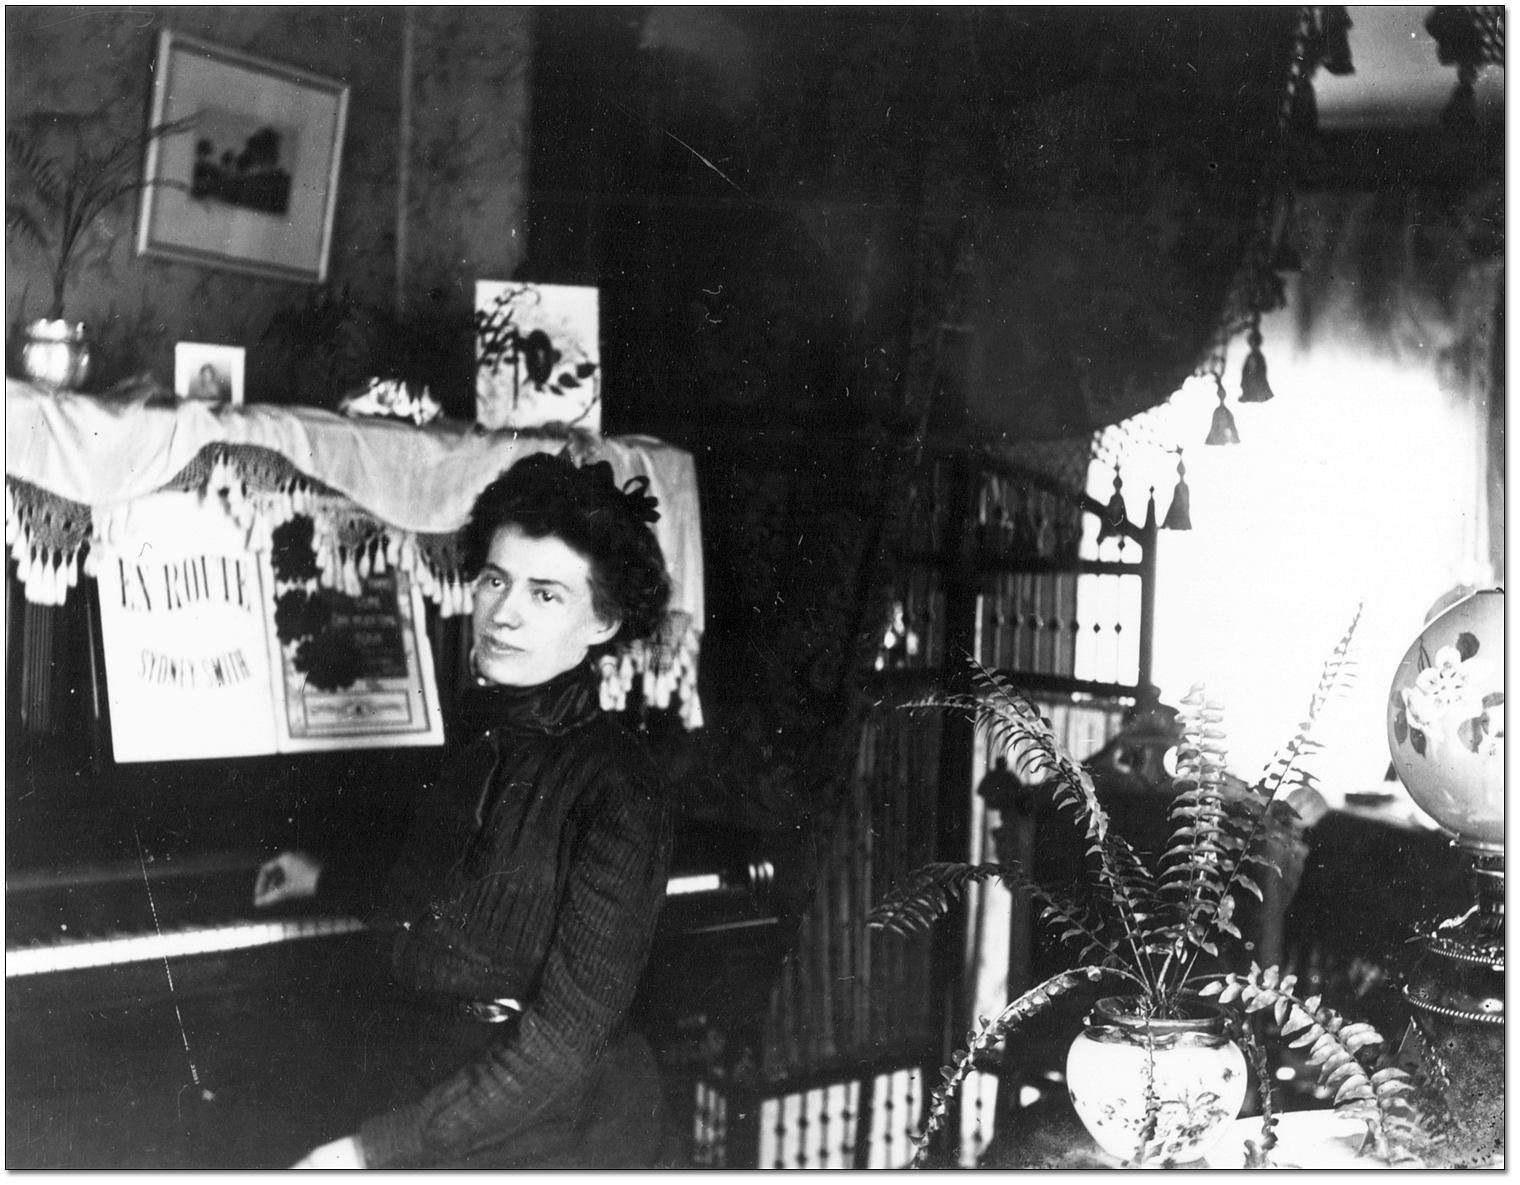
x,y
210,372
250,183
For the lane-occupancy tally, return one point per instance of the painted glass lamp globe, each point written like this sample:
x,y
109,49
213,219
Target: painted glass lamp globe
x,y
1446,721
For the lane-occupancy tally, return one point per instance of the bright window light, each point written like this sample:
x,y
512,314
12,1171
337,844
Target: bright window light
x,y
1362,481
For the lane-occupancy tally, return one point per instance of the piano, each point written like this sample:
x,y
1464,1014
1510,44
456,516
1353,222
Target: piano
x,y
155,1018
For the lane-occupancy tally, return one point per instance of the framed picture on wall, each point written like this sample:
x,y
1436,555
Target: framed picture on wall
x,y
251,181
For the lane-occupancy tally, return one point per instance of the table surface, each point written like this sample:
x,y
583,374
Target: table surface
x,y
1318,1139
1305,1140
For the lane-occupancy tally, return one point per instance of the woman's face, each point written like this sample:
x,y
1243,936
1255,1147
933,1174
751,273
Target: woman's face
x,y
533,614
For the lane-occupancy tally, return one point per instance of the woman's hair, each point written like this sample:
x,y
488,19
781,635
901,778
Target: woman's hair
x,y
547,494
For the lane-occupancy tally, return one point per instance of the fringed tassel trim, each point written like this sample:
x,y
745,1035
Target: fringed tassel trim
x,y
351,546
46,570
665,668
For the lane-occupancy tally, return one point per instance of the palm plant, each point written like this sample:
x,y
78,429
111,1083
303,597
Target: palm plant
x,y
1147,923
60,180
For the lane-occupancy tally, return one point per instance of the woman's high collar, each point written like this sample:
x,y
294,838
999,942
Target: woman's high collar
x,y
565,702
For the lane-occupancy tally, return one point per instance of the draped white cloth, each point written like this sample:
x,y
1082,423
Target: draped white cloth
x,y
103,453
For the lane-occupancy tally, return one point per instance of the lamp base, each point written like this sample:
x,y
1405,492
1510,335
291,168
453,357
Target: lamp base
x,y
1457,991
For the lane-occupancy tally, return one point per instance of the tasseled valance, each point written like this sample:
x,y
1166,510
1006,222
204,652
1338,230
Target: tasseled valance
x,y
380,494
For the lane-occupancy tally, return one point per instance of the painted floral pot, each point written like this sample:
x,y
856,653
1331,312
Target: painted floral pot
x,y
1197,1074
1446,720
55,354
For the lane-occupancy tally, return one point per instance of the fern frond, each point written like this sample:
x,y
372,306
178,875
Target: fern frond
x,y
1011,722
1336,677
1378,1096
928,894
981,1041
1205,845
1259,1156
1225,830
1012,725
41,172
20,221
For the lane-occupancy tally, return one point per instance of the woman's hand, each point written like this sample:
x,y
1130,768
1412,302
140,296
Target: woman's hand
x,y
287,877
340,1154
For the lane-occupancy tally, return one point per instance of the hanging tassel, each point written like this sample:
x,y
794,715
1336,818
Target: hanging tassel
x,y
1336,54
1116,515
1253,373
34,589
46,592
1222,430
1179,517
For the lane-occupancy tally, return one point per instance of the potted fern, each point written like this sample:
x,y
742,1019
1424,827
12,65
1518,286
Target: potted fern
x,y
1149,926
64,171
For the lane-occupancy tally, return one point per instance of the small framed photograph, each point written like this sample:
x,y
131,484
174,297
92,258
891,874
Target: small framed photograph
x,y
248,177
210,372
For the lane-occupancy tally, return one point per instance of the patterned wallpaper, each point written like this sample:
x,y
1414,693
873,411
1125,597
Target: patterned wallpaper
x,y
465,196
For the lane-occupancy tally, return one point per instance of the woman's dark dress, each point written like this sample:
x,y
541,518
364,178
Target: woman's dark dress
x,y
534,870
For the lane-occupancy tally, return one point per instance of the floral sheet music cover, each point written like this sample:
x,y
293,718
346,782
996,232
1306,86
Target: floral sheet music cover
x,y
214,648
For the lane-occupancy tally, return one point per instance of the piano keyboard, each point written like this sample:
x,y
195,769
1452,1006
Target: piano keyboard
x,y
138,948
78,954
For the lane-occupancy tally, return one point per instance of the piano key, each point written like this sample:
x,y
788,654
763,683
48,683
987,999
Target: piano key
x,y
706,882
73,955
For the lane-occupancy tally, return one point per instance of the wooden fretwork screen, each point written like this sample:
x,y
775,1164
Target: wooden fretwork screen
x,y
993,561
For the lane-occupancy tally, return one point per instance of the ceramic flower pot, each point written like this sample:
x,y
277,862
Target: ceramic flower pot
x,y
55,354
1446,720
1195,1070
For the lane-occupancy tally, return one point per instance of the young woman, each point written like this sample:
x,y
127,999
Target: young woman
x,y
522,908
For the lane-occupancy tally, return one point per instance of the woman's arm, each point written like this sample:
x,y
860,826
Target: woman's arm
x,y
603,932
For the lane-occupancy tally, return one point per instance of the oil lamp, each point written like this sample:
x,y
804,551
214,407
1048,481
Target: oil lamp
x,y
1446,735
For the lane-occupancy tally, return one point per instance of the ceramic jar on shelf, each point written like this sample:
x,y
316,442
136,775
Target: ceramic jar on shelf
x,y
55,354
